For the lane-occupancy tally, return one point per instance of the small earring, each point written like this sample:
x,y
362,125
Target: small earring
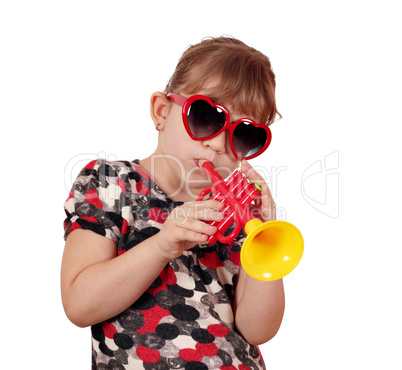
x,y
157,126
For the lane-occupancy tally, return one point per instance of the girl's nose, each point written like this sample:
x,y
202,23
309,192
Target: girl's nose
x,y
217,143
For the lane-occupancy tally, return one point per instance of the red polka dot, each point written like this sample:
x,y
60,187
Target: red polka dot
x,y
141,188
168,277
188,354
89,219
122,185
142,172
235,258
152,318
109,330
171,276
148,355
157,215
211,260
243,367
74,226
91,164
124,227
208,350
92,197
218,330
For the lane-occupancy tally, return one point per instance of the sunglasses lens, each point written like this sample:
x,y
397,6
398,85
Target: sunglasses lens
x,y
248,139
204,120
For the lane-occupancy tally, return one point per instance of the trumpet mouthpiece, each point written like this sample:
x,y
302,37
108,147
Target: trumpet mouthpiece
x,y
201,162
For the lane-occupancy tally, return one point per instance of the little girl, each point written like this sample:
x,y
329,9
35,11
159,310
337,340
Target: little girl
x,y
137,266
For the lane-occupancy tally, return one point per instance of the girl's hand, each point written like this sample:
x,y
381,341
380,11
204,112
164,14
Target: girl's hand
x,y
264,206
186,226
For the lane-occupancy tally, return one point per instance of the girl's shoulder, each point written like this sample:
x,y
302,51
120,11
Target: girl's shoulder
x,y
124,170
116,167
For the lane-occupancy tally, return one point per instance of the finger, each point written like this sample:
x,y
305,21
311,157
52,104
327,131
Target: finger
x,y
250,172
191,218
210,203
198,226
256,177
192,236
265,202
180,234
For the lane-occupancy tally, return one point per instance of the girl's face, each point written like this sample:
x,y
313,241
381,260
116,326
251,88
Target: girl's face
x,y
181,154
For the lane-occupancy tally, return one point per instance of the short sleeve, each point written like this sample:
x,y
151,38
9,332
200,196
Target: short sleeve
x,y
97,201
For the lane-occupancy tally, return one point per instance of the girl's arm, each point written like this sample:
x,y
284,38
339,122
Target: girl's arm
x,y
259,308
97,285
259,305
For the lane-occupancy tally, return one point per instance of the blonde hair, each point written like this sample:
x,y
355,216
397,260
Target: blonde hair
x,y
246,79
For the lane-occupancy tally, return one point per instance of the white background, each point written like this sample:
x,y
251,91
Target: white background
x,y
75,82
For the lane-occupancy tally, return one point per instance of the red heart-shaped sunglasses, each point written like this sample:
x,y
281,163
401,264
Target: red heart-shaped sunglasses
x,y
203,119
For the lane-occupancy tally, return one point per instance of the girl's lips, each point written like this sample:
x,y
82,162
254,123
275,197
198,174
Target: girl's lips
x,y
200,162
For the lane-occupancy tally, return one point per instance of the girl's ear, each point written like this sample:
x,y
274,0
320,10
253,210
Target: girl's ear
x,y
159,109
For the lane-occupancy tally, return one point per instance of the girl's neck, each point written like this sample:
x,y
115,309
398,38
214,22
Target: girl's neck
x,y
160,172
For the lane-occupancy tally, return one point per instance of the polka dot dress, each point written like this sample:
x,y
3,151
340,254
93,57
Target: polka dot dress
x,y
184,320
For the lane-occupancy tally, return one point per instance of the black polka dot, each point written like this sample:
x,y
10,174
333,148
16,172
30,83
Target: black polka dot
x,y
254,353
123,341
229,291
236,340
205,276
194,365
105,349
175,363
152,341
160,365
85,209
241,354
166,299
186,327
180,291
115,218
225,357
121,356
202,336
131,320
157,283
145,302
184,312
167,331
205,300
115,365
200,287
97,333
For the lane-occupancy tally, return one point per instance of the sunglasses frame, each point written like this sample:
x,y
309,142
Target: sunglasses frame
x,y
185,103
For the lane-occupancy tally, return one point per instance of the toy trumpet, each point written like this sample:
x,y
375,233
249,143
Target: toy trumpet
x,y
271,249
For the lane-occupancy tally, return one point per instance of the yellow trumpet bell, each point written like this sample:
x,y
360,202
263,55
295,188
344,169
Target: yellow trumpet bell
x,y
271,249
